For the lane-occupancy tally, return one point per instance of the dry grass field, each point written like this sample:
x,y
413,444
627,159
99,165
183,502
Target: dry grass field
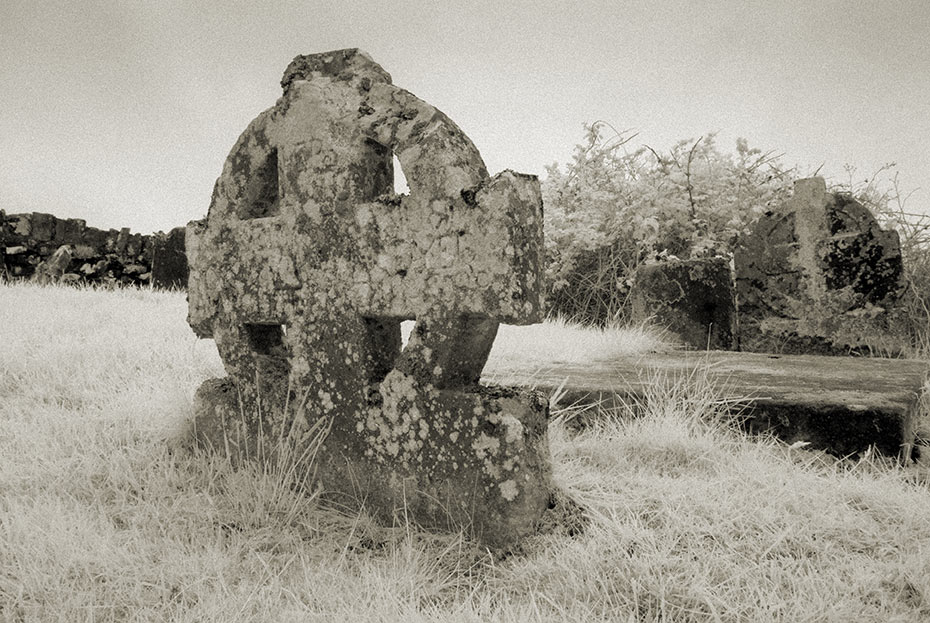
x,y
106,514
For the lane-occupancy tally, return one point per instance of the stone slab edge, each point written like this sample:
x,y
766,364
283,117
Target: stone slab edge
x,y
838,404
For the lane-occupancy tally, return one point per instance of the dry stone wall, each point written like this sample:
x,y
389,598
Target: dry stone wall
x,y
43,247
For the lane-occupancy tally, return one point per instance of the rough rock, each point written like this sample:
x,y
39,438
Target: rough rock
x,y
69,231
307,263
43,226
54,267
28,241
169,260
693,299
819,276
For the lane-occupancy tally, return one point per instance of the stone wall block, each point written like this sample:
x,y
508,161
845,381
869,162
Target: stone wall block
x,y
133,249
55,266
21,225
112,236
693,299
95,239
122,240
69,231
43,227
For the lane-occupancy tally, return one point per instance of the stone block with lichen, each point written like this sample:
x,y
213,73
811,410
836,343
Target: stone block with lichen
x,y
692,299
307,263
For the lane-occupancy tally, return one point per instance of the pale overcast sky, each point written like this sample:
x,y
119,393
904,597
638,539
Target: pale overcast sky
x,y
122,112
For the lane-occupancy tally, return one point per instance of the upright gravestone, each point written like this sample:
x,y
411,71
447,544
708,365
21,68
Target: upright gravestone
x,y
304,269
819,275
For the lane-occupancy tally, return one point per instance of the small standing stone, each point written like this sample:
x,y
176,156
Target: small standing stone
x,y
693,299
55,266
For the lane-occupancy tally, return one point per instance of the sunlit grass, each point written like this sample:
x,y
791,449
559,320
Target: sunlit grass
x,y
559,341
105,515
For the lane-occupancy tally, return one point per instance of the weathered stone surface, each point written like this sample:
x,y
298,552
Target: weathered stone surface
x,y
122,241
307,263
819,276
69,231
135,269
20,224
839,404
55,266
84,251
43,226
693,299
96,239
169,260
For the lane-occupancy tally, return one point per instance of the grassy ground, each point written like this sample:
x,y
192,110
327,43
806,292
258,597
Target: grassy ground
x,y
104,516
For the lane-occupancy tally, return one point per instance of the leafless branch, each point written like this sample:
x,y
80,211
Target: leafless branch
x,y
688,178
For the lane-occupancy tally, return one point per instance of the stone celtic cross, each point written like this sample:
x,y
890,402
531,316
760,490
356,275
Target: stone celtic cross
x,y
304,269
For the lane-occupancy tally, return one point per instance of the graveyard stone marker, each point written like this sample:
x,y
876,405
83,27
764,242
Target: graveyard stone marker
x,y
818,275
693,299
307,263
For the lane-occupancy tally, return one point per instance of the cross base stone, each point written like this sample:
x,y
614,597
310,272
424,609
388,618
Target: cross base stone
x,y
476,460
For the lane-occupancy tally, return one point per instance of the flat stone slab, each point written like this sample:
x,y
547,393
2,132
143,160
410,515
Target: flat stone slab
x,y
839,404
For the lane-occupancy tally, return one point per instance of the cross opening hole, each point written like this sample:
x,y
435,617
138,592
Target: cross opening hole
x,y
267,338
400,180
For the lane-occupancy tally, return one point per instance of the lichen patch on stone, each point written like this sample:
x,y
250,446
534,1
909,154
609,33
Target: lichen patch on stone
x,y
509,490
